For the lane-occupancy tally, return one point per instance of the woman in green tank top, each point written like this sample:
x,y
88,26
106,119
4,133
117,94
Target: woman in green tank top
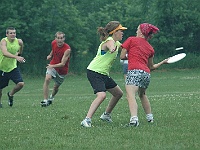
x,y
99,68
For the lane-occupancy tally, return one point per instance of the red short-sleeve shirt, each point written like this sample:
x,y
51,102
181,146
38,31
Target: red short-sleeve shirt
x,y
58,53
139,51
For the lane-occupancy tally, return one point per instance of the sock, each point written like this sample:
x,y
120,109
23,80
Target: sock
x,y
87,118
134,118
149,116
105,113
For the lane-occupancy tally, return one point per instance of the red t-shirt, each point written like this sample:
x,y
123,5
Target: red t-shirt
x,y
139,51
58,53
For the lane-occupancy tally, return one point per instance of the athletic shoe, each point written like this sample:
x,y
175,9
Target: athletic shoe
x,y
44,103
149,118
1,105
86,122
10,100
50,100
134,121
106,117
132,124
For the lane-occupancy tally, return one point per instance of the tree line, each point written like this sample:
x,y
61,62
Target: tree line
x,y
37,22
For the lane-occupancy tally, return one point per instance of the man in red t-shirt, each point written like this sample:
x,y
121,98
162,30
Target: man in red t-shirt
x,y
140,62
58,67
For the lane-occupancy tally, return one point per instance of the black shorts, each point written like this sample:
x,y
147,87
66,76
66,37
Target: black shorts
x,y
100,82
13,75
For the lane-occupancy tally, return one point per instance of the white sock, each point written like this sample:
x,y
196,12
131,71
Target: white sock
x,y
134,118
149,116
51,96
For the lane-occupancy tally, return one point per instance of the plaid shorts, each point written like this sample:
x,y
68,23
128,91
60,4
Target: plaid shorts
x,y
138,78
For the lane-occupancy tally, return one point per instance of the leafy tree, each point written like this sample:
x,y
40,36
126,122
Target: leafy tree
x,y
177,23
37,22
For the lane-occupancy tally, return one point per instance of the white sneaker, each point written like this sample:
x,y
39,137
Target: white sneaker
x,y
134,121
106,117
149,118
50,100
44,103
86,122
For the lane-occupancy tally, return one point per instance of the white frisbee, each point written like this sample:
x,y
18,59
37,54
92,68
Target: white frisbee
x,y
176,58
180,48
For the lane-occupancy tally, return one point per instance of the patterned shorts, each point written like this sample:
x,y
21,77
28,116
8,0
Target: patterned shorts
x,y
138,78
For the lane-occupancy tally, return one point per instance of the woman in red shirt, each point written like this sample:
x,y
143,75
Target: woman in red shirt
x,y
140,62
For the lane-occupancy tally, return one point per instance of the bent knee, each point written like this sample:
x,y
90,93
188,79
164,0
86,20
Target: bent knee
x,y
142,95
56,87
101,95
119,94
47,79
21,84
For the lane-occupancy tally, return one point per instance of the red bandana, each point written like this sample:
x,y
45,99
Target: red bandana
x,y
147,28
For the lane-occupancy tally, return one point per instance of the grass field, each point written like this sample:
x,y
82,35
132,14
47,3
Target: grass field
x,y
175,100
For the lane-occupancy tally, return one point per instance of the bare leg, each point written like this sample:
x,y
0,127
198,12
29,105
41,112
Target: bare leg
x,y
125,77
96,103
55,89
144,100
0,95
46,86
17,88
117,93
131,91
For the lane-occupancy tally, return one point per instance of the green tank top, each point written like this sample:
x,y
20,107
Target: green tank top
x,y
8,64
103,60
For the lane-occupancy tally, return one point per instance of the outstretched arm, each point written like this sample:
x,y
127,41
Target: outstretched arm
x,y
6,53
153,66
63,61
111,46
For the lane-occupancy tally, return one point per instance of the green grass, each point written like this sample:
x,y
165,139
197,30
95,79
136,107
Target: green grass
x,y
175,100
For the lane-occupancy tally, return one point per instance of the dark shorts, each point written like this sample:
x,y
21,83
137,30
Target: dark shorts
x,y
125,68
100,82
14,75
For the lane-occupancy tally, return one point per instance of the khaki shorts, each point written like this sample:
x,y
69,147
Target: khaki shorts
x,y
58,79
